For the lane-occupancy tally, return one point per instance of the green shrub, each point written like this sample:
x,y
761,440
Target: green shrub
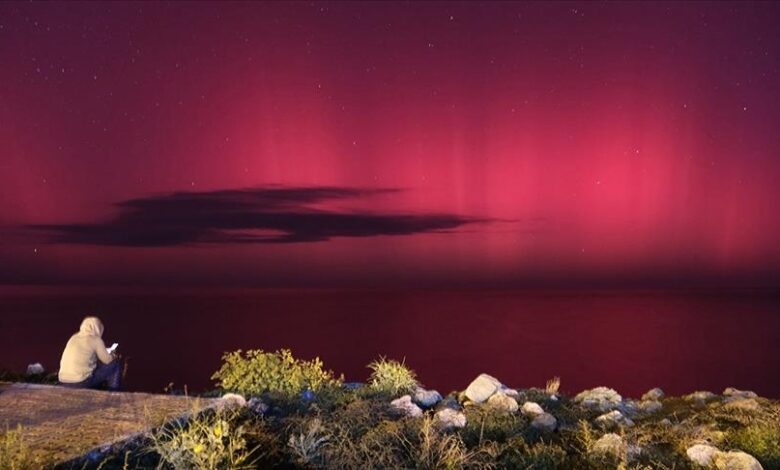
x,y
212,440
761,441
392,377
15,454
277,372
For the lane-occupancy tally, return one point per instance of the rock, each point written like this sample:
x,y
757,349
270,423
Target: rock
x,y
653,395
743,404
545,422
503,402
629,407
736,461
426,398
509,391
481,388
650,406
732,392
665,422
532,409
35,369
612,419
256,405
702,454
599,398
700,397
405,407
609,444
633,452
231,400
450,403
448,418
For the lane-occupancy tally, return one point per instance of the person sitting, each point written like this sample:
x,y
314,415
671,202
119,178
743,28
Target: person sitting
x,y
86,363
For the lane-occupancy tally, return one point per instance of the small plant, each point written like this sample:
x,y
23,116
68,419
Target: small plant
x,y
307,446
277,372
392,377
433,449
553,385
15,454
759,440
209,441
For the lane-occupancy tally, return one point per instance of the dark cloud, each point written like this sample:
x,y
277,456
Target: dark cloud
x,y
261,215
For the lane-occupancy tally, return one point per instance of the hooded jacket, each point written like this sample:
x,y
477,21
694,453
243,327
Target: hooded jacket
x,y
83,351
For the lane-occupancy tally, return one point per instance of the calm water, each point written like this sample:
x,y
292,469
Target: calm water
x,y
631,341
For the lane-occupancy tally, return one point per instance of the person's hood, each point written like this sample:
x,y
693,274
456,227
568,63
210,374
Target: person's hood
x,y
91,326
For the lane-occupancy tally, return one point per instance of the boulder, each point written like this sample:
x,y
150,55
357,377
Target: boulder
x,y
612,419
599,398
482,388
532,409
545,422
503,402
700,397
405,407
35,369
701,454
650,406
736,461
447,418
426,398
231,400
734,393
449,402
609,444
257,405
653,395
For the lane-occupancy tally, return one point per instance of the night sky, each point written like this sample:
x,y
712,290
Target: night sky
x,y
384,144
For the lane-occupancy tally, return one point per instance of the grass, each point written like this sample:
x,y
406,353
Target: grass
x,y
15,453
392,377
335,427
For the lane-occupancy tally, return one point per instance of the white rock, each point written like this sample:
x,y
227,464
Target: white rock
x,y
665,422
650,406
614,418
405,407
503,402
509,391
653,395
255,404
426,398
449,418
545,422
532,409
599,398
609,444
702,454
35,369
481,388
736,461
700,397
735,393
231,400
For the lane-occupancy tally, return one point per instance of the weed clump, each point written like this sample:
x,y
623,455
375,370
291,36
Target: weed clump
x,y
15,454
392,377
212,440
279,373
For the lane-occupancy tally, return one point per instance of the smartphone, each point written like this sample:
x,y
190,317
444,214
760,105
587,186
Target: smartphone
x,y
112,348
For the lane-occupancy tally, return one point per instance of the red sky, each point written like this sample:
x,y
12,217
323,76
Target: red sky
x,y
575,143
